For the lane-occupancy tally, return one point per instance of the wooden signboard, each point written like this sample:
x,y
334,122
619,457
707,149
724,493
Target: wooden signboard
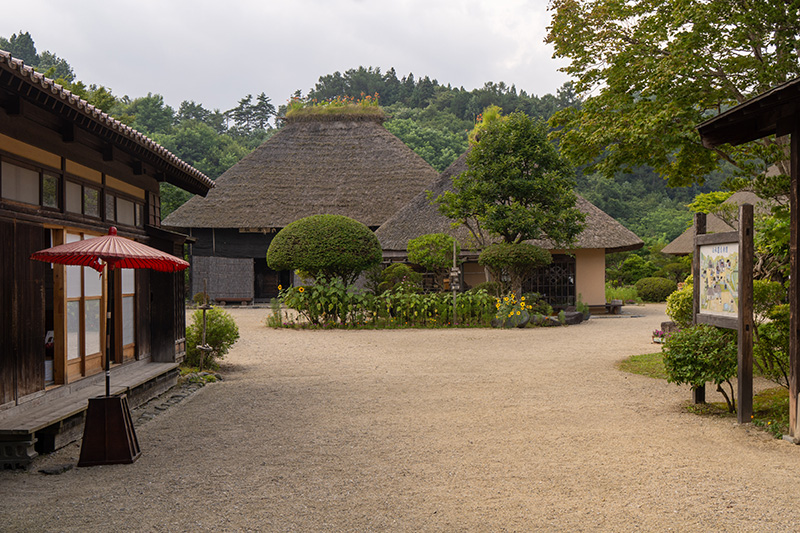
x,y
723,293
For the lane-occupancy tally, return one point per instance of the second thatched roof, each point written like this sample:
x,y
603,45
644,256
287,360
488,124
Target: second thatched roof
x,y
419,217
347,165
684,243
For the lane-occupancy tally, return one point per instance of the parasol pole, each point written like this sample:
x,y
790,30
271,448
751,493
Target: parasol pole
x,y
108,335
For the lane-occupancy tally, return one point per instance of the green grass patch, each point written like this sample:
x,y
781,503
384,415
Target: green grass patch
x,y
770,406
649,364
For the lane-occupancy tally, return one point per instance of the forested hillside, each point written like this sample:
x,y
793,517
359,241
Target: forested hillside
x,y
432,118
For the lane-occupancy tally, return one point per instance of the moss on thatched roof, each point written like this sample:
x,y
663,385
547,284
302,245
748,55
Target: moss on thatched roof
x,y
420,217
331,113
313,166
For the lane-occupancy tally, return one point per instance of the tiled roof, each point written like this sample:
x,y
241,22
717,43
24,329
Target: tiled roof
x,y
28,75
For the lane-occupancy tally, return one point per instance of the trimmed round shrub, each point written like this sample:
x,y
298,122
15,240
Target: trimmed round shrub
x,y
333,246
655,289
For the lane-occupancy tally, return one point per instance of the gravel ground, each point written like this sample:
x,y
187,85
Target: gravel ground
x,y
427,430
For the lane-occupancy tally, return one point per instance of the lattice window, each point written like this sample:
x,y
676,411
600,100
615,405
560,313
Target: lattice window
x,y
555,282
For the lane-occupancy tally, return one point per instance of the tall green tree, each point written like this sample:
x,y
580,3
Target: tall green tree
x,y
651,70
517,186
149,114
22,47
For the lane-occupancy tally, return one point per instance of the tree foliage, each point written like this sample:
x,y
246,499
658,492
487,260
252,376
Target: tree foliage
x,y
652,71
435,253
517,186
332,246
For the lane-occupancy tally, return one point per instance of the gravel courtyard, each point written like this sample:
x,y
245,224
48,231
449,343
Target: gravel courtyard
x,y
427,430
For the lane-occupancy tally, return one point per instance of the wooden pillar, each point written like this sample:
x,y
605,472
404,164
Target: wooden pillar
x,y
745,337
698,393
794,288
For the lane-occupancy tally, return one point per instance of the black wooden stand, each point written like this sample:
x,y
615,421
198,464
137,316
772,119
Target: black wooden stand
x,y
108,436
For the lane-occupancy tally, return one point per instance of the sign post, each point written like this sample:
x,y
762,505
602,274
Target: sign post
x,y
455,284
723,294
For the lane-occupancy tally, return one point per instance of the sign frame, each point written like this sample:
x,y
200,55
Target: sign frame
x,y
743,321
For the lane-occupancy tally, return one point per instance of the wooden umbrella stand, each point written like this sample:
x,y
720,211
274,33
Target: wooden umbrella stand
x,y
108,434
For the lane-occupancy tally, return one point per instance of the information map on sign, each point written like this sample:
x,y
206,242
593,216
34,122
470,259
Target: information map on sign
x,y
719,279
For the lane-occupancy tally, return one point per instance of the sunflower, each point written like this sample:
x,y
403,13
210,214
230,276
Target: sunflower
x,y
302,289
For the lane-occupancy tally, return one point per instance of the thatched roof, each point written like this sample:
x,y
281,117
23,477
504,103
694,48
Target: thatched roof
x,y
349,166
419,217
684,243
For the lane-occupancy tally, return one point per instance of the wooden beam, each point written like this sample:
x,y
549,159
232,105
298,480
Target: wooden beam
x,y
698,393
13,105
108,152
68,132
138,168
745,319
794,286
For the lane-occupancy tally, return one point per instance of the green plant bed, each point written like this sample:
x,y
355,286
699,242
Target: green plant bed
x,y
770,411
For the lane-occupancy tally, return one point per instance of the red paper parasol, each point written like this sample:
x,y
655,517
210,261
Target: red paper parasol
x,y
109,436
115,251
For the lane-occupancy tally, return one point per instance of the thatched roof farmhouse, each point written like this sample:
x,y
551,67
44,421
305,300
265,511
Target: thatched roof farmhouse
x,y
577,272
316,164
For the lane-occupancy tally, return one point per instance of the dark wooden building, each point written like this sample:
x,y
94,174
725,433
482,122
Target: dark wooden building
x,y
339,164
68,171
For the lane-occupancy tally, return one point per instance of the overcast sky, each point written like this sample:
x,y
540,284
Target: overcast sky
x,y
216,52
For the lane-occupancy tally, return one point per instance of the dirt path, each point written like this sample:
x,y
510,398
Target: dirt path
x,y
428,430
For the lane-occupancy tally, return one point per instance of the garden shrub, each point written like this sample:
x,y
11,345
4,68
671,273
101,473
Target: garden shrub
x,y
655,289
221,334
537,305
631,270
771,349
680,305
400,274
701,354
325,245
771,339
434,253
328,302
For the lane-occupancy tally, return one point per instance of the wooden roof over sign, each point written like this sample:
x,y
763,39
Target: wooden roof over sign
x,y
21,85
771,113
